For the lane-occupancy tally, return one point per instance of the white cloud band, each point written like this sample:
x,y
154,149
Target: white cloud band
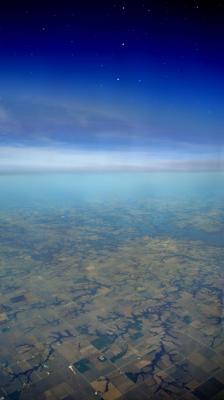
x,y
14,158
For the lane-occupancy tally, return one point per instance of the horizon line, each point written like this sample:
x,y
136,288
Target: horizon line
x,y
134,169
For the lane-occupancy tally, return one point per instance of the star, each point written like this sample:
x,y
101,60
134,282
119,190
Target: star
x,y
122,44
118,78
43,28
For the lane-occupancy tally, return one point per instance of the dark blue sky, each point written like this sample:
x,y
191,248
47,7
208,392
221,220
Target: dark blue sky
x,y
141,78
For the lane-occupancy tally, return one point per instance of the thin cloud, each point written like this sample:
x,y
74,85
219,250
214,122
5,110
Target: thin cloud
x,y
31,120
52,159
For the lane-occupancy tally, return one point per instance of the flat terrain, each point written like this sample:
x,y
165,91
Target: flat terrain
x,y
112,301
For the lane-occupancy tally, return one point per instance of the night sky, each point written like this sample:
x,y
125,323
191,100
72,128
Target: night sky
x,y
112,84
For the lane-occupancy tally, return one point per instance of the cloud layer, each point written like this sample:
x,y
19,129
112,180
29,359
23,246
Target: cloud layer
x,y
55,134
53,159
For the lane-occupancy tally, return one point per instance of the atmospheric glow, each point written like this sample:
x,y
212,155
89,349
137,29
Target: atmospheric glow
x,y
81,94
38,159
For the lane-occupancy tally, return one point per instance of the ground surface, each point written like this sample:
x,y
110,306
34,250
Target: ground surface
x,y
112,302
